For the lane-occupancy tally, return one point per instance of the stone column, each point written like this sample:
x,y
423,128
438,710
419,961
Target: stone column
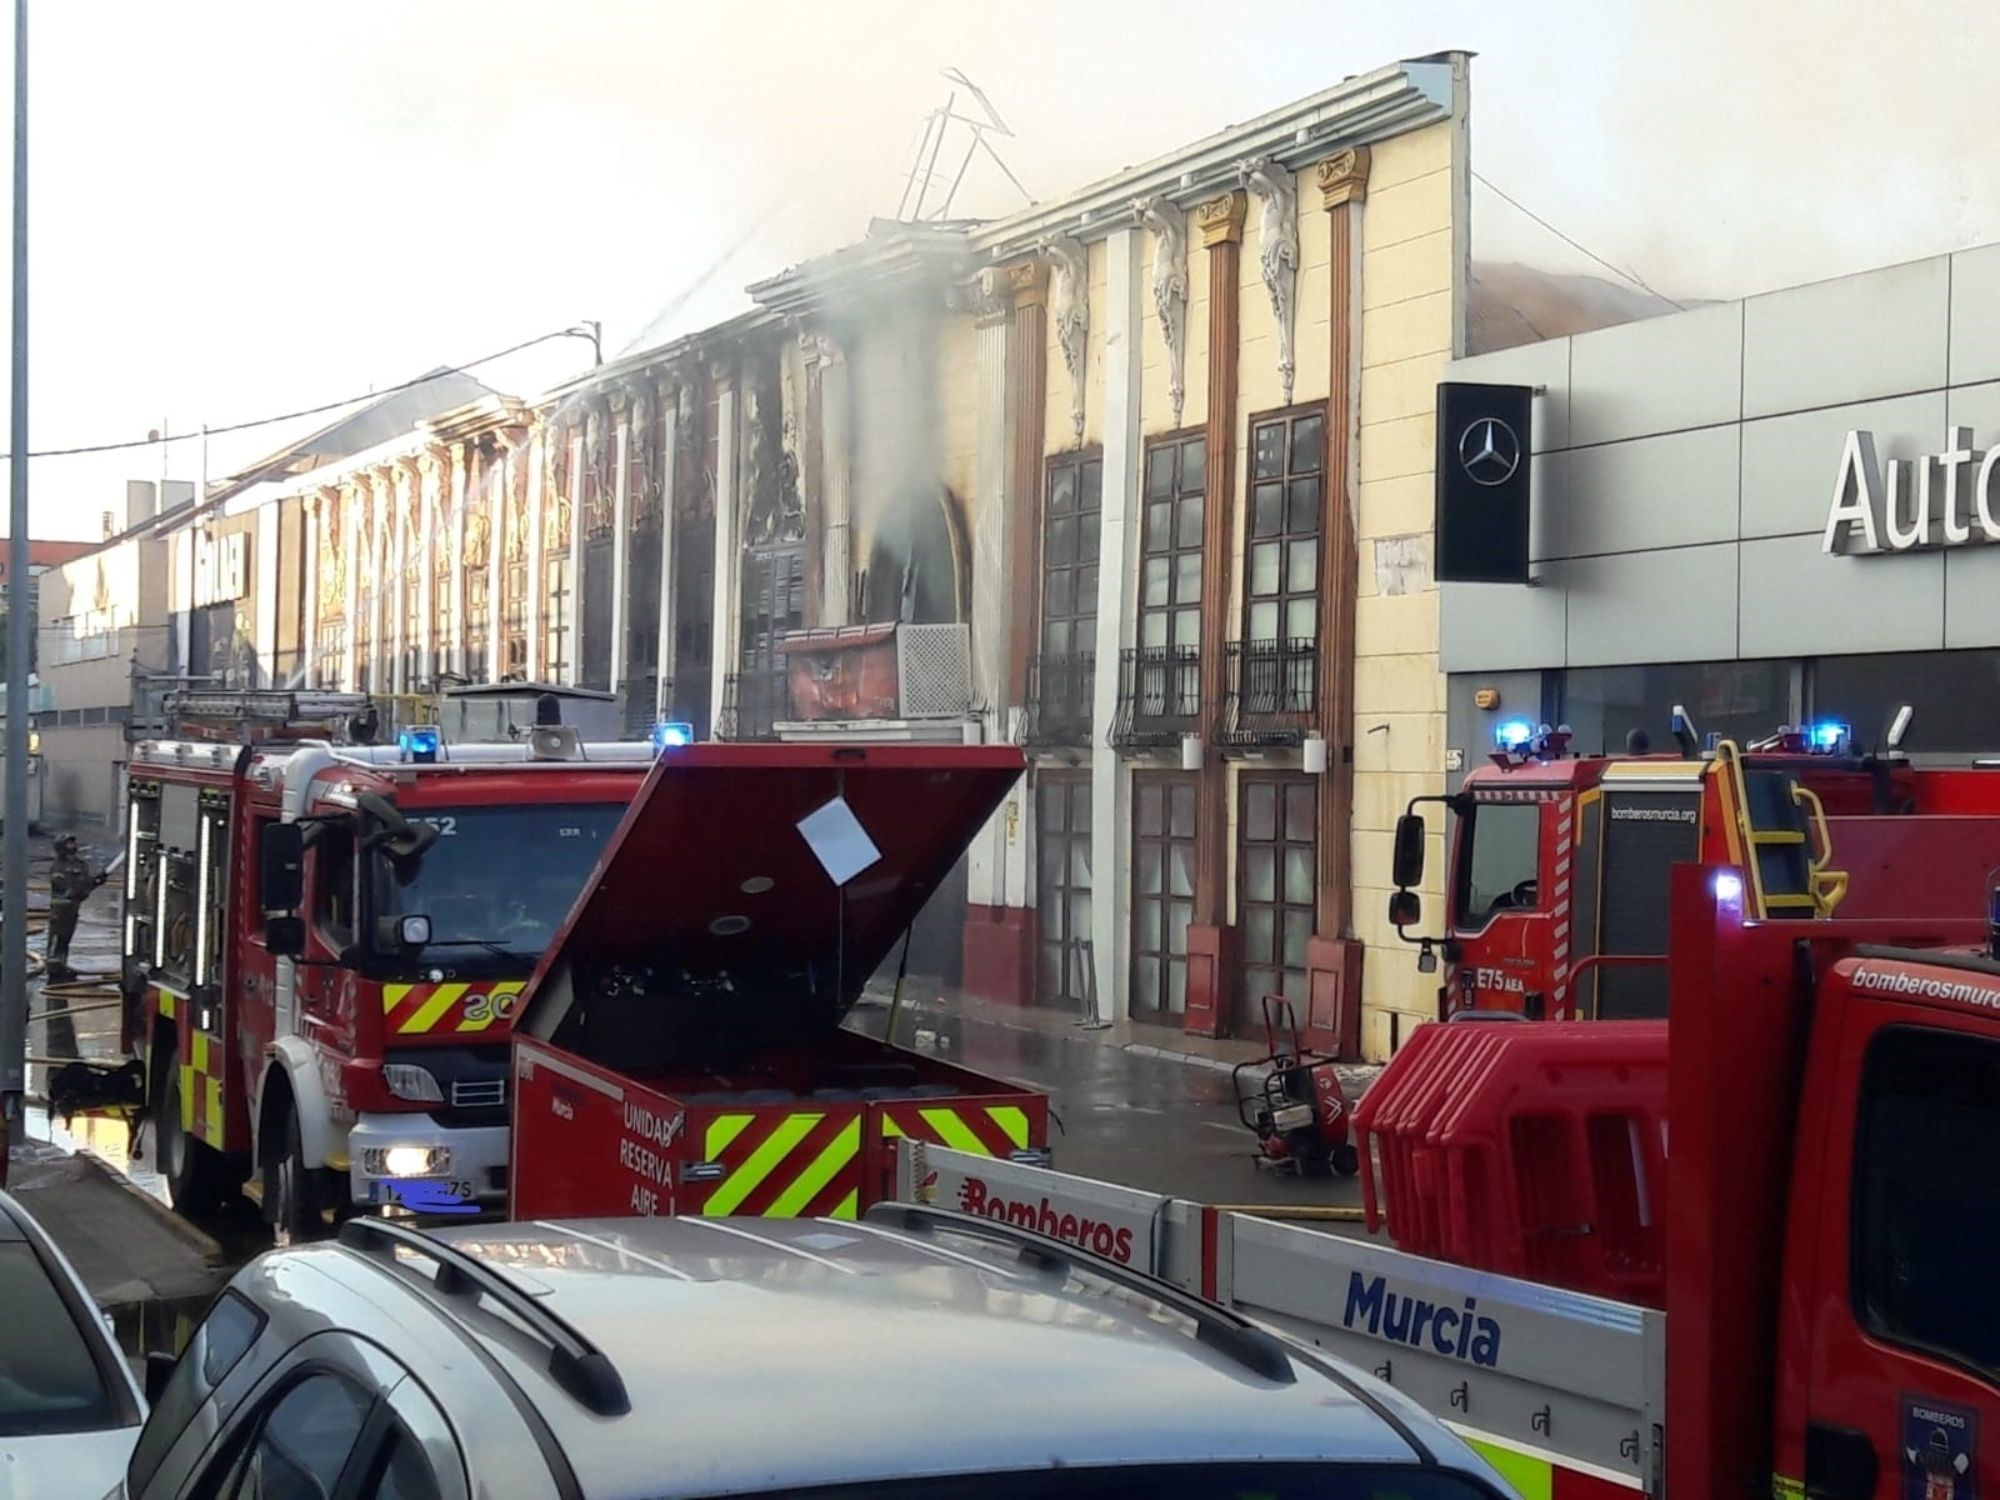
x,y
727,572
1028,360
836,472
621,538
383,494
573,604
669,407
461,491
535,455
496,476
315,511
1333,958
1117,588
432,468
999,949
350,546
1211,949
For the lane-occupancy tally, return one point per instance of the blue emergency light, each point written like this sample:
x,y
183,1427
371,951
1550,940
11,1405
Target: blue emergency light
x,y
1513,734
1829,735
672,736
422,743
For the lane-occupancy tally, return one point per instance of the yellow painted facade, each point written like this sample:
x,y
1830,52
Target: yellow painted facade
x,y
1399,705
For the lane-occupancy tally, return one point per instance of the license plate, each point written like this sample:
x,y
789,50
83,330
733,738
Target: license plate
x,y
404,1190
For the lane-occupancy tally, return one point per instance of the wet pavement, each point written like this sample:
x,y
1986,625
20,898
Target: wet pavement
x,y
1135,1104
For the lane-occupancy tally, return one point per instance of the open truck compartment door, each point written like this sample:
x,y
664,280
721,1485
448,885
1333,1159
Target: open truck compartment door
x,y
680,1049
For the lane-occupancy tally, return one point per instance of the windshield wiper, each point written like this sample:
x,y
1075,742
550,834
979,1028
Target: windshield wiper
x,y
498,950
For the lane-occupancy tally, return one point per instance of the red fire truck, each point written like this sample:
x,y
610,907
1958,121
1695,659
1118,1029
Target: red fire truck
x,y
1555,901
325,940
680,1049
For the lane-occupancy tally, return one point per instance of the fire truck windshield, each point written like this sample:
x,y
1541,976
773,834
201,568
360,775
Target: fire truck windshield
x,y
1497,861
497,879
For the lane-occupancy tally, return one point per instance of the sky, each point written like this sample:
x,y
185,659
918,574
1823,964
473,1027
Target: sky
x,y
246,208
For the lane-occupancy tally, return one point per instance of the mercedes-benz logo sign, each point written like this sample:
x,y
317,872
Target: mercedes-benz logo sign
x,y
1489,451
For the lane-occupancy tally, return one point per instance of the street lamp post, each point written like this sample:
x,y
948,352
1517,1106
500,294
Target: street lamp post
x,y
14,851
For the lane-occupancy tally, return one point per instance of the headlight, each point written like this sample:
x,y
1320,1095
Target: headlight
x,y
408,1081
406,1161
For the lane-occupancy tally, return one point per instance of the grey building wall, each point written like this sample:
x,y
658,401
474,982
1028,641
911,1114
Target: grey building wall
x,y
1685,466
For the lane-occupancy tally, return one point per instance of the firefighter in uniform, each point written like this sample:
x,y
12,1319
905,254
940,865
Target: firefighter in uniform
x,y
70,881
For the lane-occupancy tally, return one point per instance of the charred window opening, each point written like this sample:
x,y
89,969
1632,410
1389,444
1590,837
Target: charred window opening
x,y
1071,514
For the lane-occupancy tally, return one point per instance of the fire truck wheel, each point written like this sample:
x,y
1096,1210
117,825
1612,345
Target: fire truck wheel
x,y
1345,1159
196,1179
293,1192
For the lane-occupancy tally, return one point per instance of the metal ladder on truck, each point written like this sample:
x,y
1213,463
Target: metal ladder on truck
x,y
250,714
1779,821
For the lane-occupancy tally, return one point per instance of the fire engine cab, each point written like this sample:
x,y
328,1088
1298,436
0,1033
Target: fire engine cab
x,y
325,939
1556,897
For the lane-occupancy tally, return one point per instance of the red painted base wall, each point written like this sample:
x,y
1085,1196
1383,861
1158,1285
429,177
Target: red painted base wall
x,y
1333,1010
1211,980
1000,953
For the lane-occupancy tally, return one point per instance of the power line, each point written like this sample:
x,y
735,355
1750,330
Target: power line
x,y
308,411
1583,249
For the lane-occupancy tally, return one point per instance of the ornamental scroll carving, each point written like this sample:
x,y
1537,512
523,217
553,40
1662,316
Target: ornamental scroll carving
x,y
1168,224
1069,296
332,558
599,493
1278,250
555,494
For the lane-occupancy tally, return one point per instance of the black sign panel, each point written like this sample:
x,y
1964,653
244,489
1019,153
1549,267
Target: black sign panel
x,y
1482,482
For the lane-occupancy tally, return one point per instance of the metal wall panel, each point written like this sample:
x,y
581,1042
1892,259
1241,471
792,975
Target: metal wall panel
x,y
1492,626
1972,597
1975,315
1678,605
1658,375
1791,462
1881,333
1675,490
1797,601
1546,365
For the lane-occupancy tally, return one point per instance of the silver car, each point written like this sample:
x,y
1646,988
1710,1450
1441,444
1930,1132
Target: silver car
x,y
69,1407
916,1353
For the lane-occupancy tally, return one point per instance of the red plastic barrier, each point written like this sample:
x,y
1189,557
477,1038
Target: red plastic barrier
x,y
1538,1150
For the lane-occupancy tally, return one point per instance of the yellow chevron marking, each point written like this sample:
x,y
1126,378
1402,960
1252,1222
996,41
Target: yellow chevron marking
x,y
165,1002
394,995
433,1010
213,1134
850,1206
1013,1122
813,1180
187,1099
198,1051
747,1177
890,1129
954,1132
721,1131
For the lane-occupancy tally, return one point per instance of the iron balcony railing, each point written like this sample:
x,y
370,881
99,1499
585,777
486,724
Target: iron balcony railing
x,y
1059,699
753,703
1270,693
1159,696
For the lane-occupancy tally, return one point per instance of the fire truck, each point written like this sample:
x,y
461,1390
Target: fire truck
x,y
1555,900
1798,1300
325,939
680,1050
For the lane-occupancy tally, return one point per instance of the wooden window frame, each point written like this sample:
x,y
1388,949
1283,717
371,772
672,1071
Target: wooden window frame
x,y
1175,546
1286,536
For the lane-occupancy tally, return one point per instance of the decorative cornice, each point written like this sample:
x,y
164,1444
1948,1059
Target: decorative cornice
x,y
1027,282
1170,288
1342,177
1221,219
1277,251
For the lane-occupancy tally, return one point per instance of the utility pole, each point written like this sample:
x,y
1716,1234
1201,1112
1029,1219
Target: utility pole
x,y
14,853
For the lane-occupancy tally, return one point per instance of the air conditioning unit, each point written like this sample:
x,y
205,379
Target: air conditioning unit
x,y
934,671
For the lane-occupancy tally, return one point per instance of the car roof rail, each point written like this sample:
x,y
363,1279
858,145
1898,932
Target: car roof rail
x,y
584,1371
1224,1331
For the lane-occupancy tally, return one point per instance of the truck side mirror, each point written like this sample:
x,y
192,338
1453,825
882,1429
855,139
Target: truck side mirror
x,y
160,1365
1406,909
281,854
285,937
1409,856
